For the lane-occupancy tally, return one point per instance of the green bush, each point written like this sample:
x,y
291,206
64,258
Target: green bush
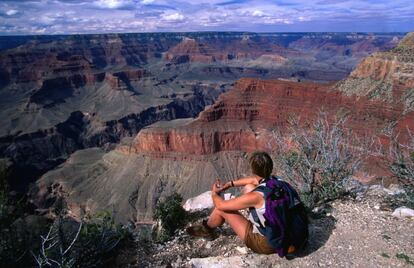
x,y
171,214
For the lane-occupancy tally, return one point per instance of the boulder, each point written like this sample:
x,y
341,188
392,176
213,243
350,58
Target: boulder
x,y
200,202
403,212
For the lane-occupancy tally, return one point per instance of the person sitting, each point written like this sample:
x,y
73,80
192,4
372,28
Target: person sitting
x,y
228,210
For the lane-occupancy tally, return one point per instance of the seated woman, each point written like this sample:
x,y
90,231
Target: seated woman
x,y
227,210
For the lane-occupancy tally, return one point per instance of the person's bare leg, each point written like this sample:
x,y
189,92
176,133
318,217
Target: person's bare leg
x,y
216,219
236,221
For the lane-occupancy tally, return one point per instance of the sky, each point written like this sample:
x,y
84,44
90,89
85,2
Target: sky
x,y
21,17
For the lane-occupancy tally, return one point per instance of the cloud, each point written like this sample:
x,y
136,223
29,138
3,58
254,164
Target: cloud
x,y
114,4
257,13
173,17
11,12
102,16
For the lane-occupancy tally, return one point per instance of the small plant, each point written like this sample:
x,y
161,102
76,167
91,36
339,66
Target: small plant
x,y
14,243
385,255
386,237
319,158
400,158
89,243
4,194
405,258
171,214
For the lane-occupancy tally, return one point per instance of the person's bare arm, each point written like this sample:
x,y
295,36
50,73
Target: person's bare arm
x,y
252,199
239,182
245,181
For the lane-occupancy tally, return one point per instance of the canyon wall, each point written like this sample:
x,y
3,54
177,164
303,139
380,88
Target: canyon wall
x,y
187,155
64,93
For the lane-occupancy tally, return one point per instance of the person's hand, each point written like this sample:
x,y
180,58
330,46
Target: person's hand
x,y
216,186
226,186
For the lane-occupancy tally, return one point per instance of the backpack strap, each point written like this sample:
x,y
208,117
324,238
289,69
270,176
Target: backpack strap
x,y
266,191
261,228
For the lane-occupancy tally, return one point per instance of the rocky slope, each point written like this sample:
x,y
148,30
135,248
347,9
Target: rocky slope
x,y
388,76
344,233
187,155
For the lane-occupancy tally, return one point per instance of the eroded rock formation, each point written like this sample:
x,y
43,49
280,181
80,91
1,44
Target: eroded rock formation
x,y
388,76
187,155
78,92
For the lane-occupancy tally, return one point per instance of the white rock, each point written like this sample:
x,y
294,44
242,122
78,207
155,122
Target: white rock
x,y
242,250
217,262
253,260
394,189
208,245
403,212
200,202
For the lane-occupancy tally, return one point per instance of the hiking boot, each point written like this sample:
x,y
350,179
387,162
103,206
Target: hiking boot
x,y
202,231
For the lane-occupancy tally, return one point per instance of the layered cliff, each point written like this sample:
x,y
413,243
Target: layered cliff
x,y
187,155
388,76
243,118
233,49
77,92
127,81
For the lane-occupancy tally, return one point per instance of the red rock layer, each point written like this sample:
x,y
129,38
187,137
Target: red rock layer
x,y
243,118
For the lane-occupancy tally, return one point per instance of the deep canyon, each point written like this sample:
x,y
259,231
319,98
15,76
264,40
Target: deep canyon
x,y
117,121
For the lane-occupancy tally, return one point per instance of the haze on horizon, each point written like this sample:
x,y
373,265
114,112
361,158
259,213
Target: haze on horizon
x,y
21,17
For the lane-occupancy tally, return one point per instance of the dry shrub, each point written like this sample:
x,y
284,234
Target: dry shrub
x,y
320,158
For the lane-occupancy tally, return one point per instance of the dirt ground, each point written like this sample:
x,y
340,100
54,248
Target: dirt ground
x,y
347,233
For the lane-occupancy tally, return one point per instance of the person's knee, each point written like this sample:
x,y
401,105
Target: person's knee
x,y
218,211
223,213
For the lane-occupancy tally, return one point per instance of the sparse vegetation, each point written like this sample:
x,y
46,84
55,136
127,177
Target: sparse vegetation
x,y
4,194
171,215
385,255
80,244
401,163
13,242
319,158
386,237
28,240
405,258
402,159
